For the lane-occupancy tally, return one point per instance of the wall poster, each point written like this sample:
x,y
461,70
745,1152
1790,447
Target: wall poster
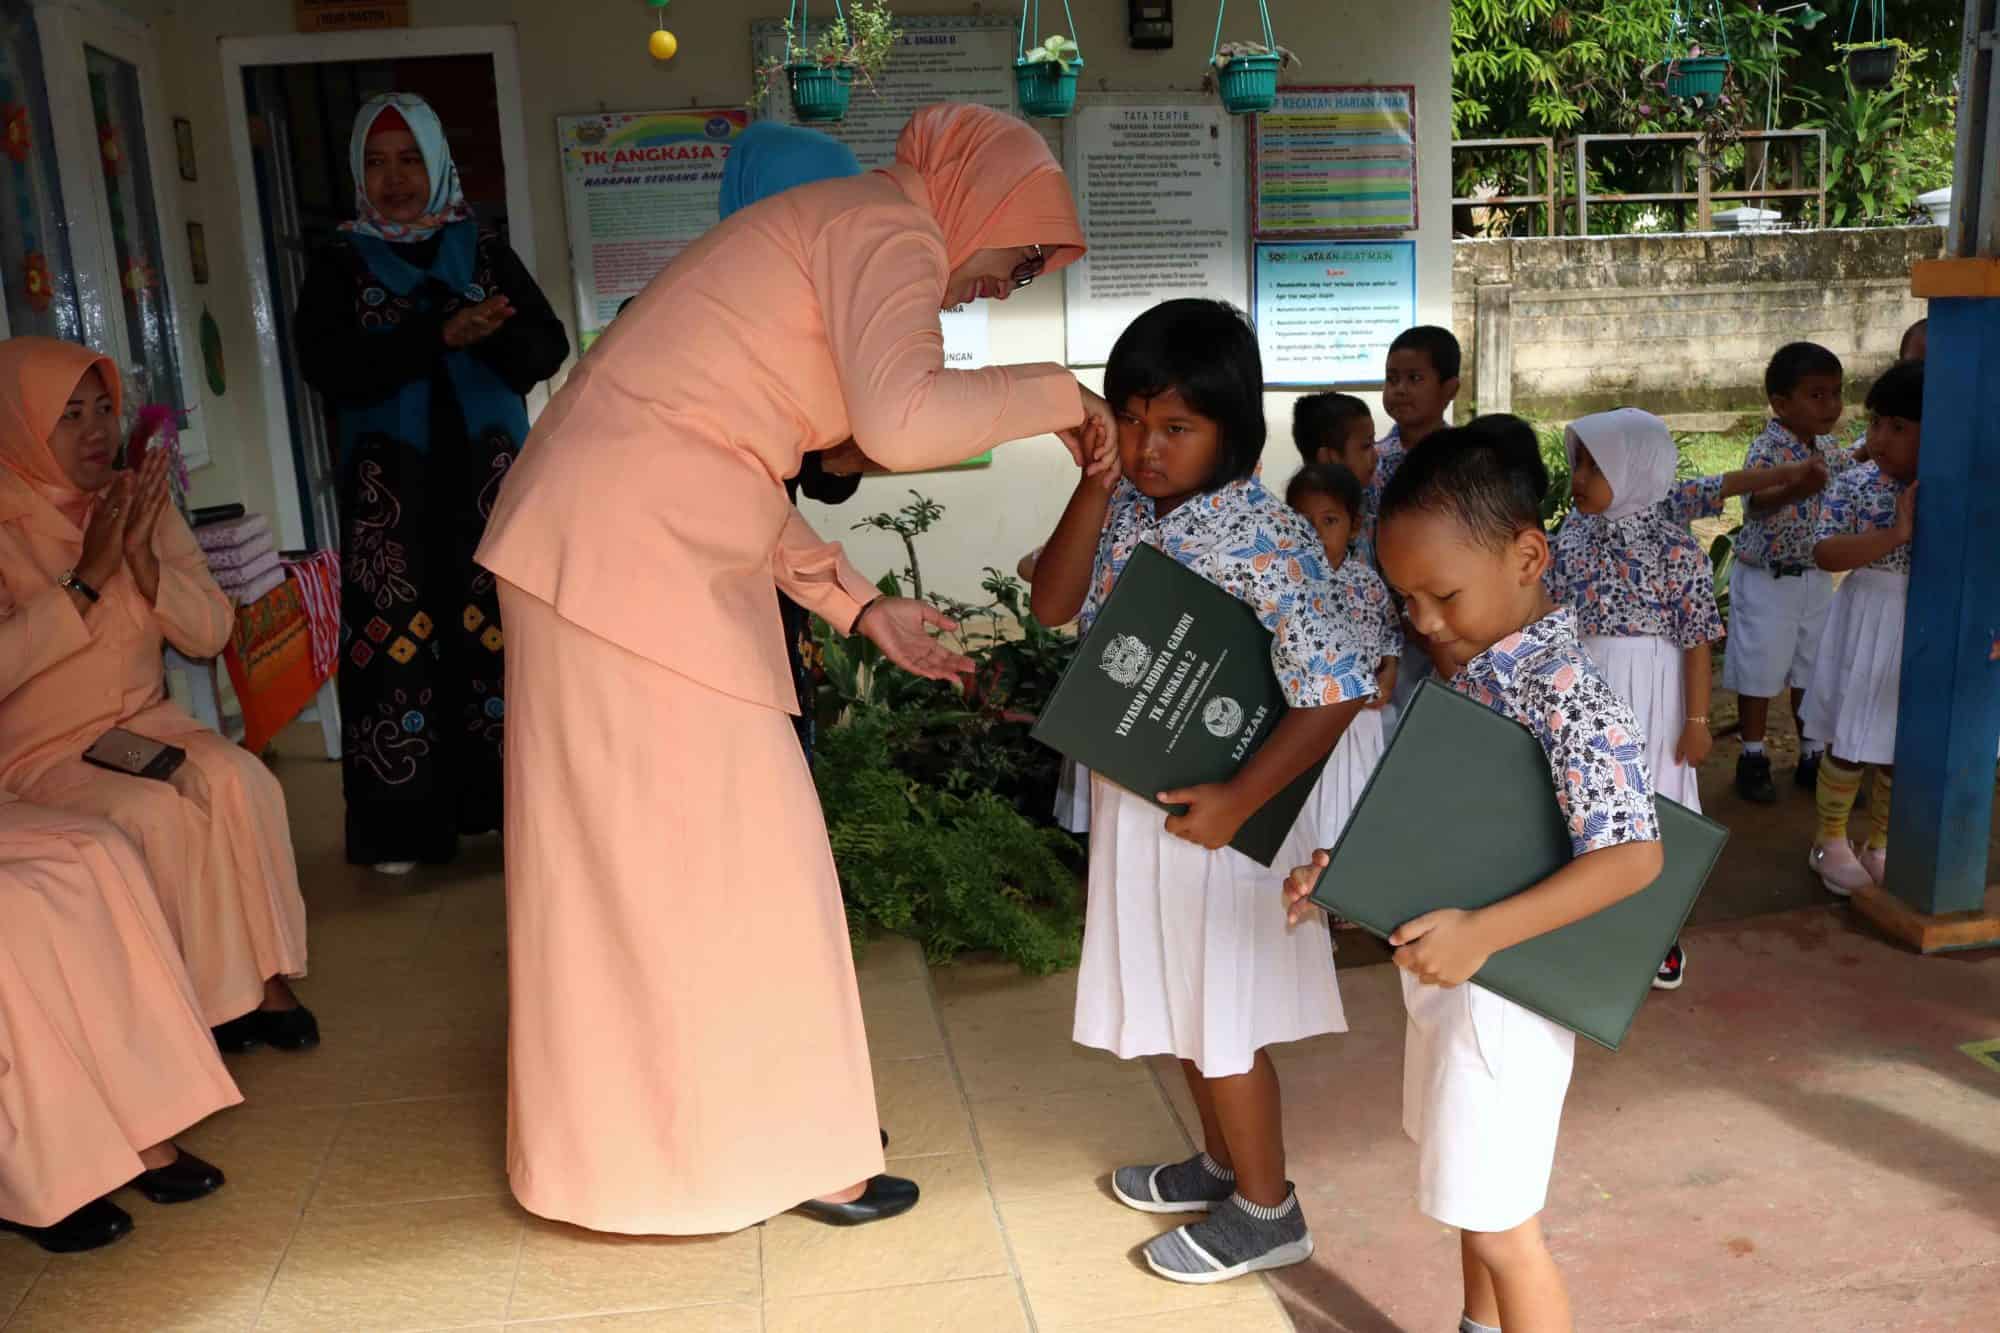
x,y
638,186
1159,187
1325,161
1327,311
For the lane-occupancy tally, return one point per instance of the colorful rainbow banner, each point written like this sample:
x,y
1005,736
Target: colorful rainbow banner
x,y
1328,161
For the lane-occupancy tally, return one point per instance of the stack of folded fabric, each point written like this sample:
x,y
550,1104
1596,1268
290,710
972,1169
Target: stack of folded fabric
x,y
242,556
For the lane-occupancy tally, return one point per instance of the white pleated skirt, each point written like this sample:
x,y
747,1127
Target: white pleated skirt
x,y
1649,674
1073,798
1851,703
1186,951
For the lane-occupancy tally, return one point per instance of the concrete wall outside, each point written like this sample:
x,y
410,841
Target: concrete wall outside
x,y
589,55
1680,325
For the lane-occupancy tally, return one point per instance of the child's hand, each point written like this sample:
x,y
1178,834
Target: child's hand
x,y
1906,513
1300,883
1695,743
1441,948
1385,683
1809,477
1213,815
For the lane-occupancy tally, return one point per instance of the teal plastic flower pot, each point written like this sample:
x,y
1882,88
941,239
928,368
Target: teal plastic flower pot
x,y
820,92
1248,83
1872,66
1698,78
1045,88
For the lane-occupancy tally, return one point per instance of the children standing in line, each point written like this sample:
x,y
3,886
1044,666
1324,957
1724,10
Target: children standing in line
x,y
1329,497
1462,543
1338,428
1183,950
1778,599
1865,526
1419,385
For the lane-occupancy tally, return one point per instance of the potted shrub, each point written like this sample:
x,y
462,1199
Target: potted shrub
x,y
1698,76
1045,78
1245,74
1872,63
821,71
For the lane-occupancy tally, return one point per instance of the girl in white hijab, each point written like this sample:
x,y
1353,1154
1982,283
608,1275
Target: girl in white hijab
x,y
1643,592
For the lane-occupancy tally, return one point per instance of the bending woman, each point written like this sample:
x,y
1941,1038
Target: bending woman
x,y
98,572
686,1049
424,333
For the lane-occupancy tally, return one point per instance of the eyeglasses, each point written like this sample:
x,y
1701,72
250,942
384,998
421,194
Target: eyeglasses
x,y
1029,269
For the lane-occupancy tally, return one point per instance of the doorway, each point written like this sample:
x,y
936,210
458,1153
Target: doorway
x,y
292,105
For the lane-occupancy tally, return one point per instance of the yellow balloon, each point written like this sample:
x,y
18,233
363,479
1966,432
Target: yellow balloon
x,y
663,44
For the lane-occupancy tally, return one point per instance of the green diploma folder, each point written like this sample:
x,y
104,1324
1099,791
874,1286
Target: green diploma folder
x,y
1461,813
1172,688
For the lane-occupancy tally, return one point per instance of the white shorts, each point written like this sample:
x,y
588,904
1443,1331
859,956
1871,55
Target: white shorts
x,y
1774,629
1483,1088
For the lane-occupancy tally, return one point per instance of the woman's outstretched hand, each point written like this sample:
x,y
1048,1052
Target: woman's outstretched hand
x,y
476,323
1093,442
904,629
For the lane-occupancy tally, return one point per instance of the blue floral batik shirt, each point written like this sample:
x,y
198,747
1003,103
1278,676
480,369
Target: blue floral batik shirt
x,y
1641,576
1781,540
1244,540
1541,678
1863,500
1363,600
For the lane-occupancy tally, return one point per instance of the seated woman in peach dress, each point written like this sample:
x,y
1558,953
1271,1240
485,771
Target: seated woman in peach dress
x,y
103,1055
97,572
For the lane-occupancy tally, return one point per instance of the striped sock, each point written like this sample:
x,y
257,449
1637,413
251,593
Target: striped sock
x,y
1467,1324
1878,811
1838,786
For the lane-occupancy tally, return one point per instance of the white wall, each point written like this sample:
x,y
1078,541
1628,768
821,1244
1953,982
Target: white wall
x,y
584,55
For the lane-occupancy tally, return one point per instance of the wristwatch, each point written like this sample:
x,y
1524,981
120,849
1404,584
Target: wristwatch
x,y
69,582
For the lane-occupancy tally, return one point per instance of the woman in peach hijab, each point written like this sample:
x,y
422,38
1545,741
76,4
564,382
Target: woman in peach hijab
x,y
103,1054
97,570
686,1049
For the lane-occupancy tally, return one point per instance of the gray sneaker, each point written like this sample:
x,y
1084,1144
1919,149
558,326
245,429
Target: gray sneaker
x,y
1236,1238
1193,1186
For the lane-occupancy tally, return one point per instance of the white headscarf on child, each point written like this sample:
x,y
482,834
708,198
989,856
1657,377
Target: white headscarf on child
x,y
1635,452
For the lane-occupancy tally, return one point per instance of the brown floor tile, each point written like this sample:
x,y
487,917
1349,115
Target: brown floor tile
x,y
920,1106
1063,1141
1173,1084
270,1160
404,1266
334,1073
701,1319
566,1270
403,1152
901,1021
21,1262
158,1278
1001,1057
448,1059
1002,988
981,1305
1079,1259
889,958
1259,1313
950,1235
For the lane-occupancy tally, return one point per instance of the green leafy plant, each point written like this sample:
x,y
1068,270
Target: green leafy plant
x,y
1056,50
862,38
1229,51
1885,146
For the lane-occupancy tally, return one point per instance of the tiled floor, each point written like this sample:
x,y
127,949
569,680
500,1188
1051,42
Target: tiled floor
x,y
367,1190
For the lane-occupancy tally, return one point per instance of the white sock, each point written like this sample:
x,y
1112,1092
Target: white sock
x,y
1753,747
1811,749
1467,1324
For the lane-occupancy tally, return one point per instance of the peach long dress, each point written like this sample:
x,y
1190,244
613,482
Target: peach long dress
x,y
102,1050
215,836
686,1047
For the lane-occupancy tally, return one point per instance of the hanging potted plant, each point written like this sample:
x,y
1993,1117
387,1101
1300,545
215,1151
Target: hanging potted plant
x,y
821,71
1245,74
1045,78
1873,63
1698,76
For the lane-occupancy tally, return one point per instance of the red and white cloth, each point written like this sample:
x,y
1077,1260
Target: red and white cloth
x,y
318,577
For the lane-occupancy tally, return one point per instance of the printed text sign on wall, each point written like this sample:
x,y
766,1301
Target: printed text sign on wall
x,y
350,15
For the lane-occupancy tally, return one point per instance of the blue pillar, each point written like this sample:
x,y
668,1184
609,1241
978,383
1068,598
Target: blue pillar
x,y
1948,722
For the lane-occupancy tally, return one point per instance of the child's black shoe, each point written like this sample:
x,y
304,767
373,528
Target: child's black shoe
x,y
1807,774
1753,779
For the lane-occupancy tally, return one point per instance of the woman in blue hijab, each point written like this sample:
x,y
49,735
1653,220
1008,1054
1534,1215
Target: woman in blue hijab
x,y
768,159
423,333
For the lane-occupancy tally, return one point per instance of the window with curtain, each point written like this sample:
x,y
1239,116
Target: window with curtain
x,y
135,227
35,269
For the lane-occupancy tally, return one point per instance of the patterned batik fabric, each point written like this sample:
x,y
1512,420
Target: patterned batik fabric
x,y
1363,600
1863,500
1248,543
1541,678
1641,576
1782,539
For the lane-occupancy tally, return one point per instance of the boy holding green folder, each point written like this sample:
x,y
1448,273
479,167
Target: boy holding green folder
x,y
1461,540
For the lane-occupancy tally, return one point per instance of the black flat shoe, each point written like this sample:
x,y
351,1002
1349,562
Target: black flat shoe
x,y
293,1029
238,1035
885,1197
90,1227
182,1180
885,1138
